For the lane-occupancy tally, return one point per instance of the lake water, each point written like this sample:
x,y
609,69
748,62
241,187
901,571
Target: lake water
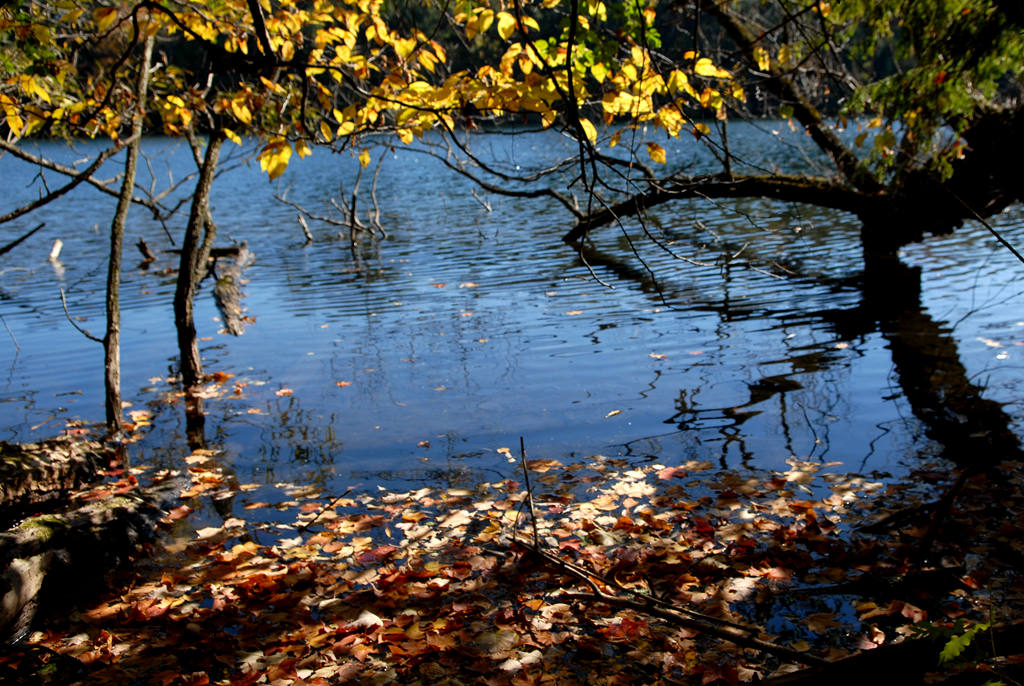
x,y
470,326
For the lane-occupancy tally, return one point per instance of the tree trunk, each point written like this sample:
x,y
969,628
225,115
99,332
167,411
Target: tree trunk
x,y
188,270
112,339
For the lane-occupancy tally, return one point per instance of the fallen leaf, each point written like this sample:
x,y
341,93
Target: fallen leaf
x,y
284,392
342,384
613,413
573,313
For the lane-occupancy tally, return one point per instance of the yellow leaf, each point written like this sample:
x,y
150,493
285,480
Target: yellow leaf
x,y
104,17
705,67
599,71
506,24
486,19
656,152
325,131
364,157
240,110
763,61
232,136
14,120
287,51
702,128
785,54
588,128
274,157
615,139
72,15
302,149
404,47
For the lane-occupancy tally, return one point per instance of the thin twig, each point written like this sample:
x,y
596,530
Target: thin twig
x,y
305,228
13,244
729,631
991,230
529,492
67,314
327,507
13,338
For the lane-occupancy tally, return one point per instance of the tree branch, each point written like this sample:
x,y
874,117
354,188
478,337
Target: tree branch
x,y
77,178
786,89
803,189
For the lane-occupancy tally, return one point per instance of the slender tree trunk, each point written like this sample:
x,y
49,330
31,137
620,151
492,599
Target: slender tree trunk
x,y
189,272
112,339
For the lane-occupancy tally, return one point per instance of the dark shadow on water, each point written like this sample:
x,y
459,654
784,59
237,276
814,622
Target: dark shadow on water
x,y
969,428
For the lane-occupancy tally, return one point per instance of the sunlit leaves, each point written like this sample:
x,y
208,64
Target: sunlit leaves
x,y
589,130
705,67
763,60
274,157
104,17
506,25
656,153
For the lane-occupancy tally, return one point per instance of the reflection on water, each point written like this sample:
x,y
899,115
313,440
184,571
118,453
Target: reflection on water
x,y
467,328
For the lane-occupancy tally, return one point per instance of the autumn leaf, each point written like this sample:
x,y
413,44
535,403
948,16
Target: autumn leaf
x,y
284,392
656,153
506,25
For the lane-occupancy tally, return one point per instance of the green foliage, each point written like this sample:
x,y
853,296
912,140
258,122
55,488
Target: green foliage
x,y
931,68
959,641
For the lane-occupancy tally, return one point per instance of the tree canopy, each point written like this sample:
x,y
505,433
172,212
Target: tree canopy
x,y
929,90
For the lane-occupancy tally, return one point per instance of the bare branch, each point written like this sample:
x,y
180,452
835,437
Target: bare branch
x,y
64,302
13,244
816,190
77,178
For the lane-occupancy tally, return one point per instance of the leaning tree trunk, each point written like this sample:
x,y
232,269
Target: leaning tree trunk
x,y
112,339
188,271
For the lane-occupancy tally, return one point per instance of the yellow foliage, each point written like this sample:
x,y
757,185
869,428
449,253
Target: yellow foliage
x,y
656,153
763,60
274,157
104,18
705,67
506,24
589,130
240,109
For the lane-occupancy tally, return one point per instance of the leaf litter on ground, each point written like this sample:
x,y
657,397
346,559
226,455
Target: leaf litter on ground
x,y
439,585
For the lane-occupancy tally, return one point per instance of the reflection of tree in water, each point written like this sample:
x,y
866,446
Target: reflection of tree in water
x,y
925,358
928,366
